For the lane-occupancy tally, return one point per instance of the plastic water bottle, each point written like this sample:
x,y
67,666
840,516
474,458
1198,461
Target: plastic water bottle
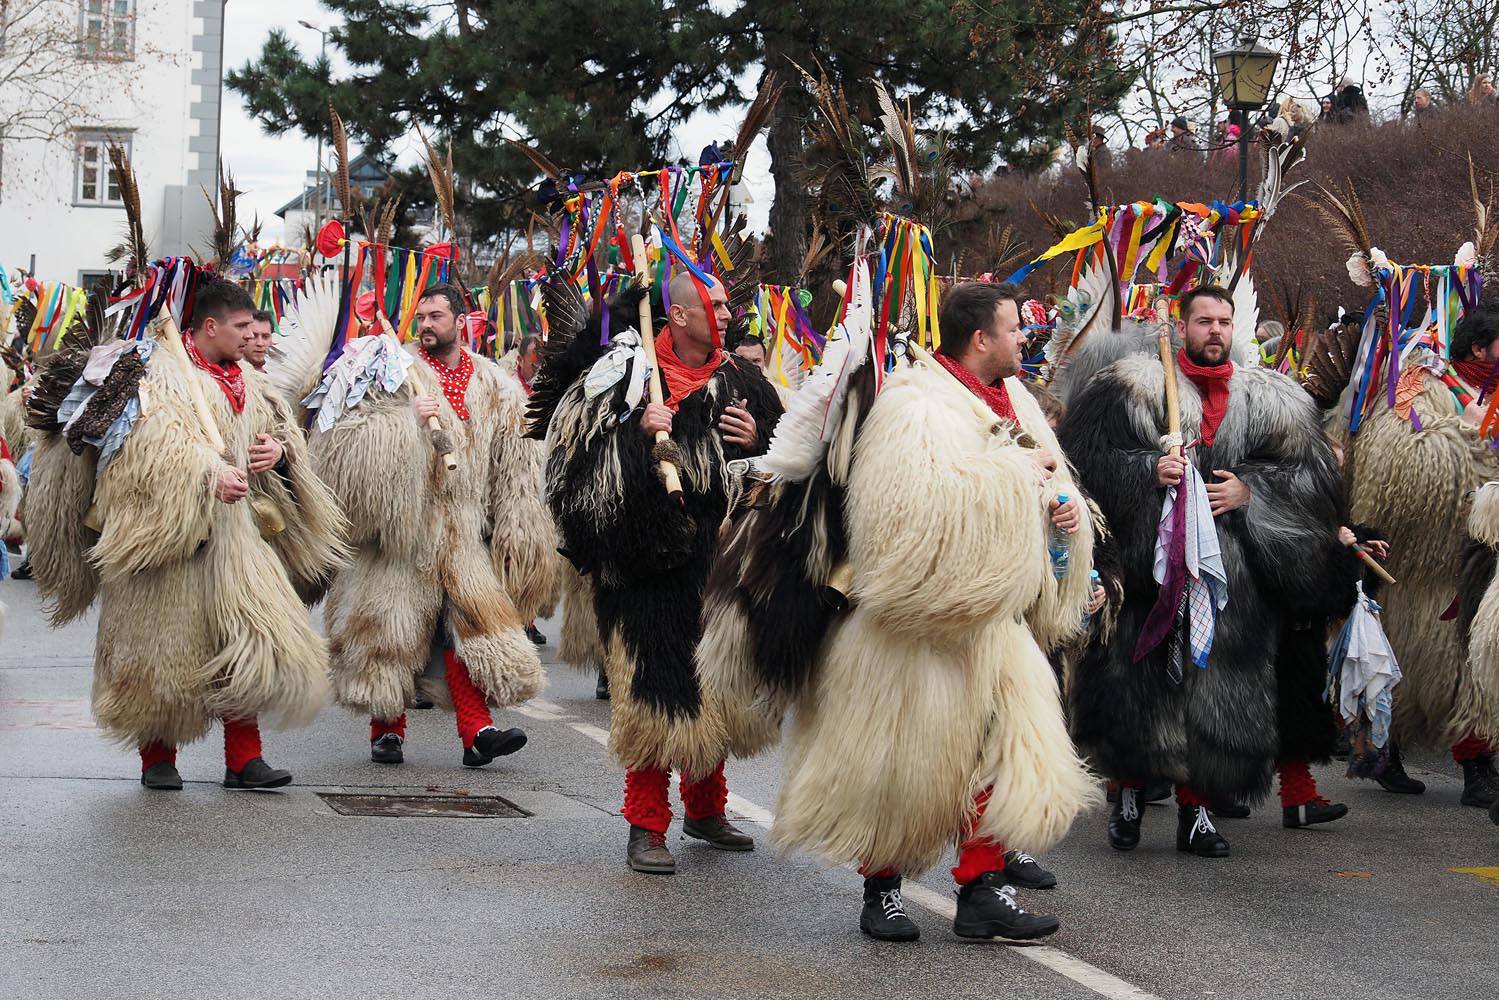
x,y
1057,547
1092,583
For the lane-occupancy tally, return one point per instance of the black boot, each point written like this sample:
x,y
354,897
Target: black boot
x,y
23,571
491,743
719,833
162,776
1394,779
421,701
1229,810
534,634
256,776
884,915
601,689
1023,872
1319,810
647,852
1196,834
387,749
987,909
1480,782
1124,820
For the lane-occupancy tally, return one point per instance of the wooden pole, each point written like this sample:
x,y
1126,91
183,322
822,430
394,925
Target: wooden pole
x,y
1173,404
441,443
1373,564
669,474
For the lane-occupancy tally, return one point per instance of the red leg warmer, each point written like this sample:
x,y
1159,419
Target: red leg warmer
x,y
1470,748
1187,796
1297,786
155,752
707,798
241,743
468,701
978,855
379,727
646,804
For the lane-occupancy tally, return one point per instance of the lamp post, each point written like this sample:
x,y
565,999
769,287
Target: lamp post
x,y
317,195
1245,75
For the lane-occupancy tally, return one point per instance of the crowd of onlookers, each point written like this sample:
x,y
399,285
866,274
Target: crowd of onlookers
x,y
1345,104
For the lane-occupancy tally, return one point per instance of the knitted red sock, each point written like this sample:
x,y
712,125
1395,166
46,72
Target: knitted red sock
x,y
1470,748
1187,796
1297,786
707,798
978,855
379,727
241,743
468,701
646,804
155,752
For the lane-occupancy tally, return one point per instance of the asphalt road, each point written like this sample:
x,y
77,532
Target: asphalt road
x,y
108,890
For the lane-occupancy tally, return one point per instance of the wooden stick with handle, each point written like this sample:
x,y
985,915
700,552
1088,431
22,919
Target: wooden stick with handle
x,y
1373,564
1173,404
441,443
669,474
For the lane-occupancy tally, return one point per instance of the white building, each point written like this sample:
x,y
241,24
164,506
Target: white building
x,y
144,73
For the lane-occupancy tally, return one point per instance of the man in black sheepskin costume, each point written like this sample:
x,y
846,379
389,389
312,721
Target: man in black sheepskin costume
x,y
645,554
1275,495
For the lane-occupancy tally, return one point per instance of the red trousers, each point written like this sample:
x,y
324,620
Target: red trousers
x,y
469,705
241,745
976,855
647,805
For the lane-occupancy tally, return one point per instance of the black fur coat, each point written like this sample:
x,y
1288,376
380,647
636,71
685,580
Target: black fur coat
x,y
1217,730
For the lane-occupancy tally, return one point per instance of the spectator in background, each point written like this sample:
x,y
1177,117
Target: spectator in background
x,y
1348,101
1182,138
1227,151
1294,112
1482,91
1421,104
1327,114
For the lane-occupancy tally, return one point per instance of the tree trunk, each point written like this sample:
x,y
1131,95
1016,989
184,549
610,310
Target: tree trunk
x,y
787,241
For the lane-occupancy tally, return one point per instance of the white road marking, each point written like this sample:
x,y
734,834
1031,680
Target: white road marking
x,y
1063,964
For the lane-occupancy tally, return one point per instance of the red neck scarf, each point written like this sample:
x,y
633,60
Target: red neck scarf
x,y
524,384
997,397
1475,373
682,381
230,377
1212,382
454,381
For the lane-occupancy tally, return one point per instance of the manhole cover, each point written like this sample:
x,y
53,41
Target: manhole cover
x,y
463,806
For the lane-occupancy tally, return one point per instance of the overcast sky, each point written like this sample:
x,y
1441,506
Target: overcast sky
x,y
271,169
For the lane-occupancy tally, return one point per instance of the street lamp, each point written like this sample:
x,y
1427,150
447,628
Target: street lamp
x,y
317,212
1245,75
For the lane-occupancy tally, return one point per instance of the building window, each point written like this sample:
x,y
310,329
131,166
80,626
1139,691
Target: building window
x,y
108,29
97,183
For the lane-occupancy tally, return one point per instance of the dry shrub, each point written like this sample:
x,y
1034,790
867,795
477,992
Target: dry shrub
x,y
1411,176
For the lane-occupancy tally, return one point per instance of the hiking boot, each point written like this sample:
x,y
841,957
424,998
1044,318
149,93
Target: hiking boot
x,y
1480,782
1196,834
1319,810
534,634
647,852
987,908
256,776
1124,820
1394,779
601,688
1024,872
387,749
162,776
491,743
884,915
719,833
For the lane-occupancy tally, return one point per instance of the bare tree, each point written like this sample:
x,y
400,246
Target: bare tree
x,y
1444,46
52,70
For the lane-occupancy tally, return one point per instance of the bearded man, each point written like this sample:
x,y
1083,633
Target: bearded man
x,y
424,599
1261,489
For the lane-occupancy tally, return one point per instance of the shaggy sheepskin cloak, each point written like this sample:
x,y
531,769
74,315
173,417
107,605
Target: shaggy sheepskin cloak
x,y
1417,487
200,615
1216,730
934,685
428,542
646,557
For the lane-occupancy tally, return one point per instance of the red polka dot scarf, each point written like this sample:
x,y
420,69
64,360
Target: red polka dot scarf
x,y
454,381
